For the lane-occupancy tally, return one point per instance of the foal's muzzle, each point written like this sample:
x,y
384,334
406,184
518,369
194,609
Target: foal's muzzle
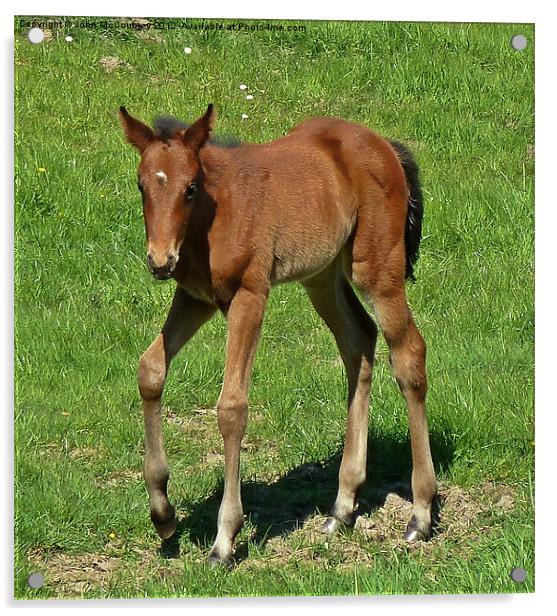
x,y
162,272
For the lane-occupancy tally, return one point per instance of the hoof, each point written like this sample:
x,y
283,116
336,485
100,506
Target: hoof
x,y
170,548
164,521
330,526
215,560
414,533
166,529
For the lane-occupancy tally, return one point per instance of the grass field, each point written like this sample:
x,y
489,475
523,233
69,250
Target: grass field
x,y
86,308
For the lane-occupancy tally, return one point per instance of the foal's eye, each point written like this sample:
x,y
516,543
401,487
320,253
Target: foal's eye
x,y
190,191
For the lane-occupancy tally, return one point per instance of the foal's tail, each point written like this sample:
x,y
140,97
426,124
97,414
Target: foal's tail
x,y
413,229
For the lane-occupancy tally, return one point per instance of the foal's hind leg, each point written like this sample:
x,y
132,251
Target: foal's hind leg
x,y
355,334
407,353
185,317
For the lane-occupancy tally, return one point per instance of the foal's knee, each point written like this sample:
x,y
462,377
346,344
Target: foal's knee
x,y
152,372
232,414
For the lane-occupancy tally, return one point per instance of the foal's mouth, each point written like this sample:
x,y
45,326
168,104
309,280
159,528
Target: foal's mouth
x,y
163,274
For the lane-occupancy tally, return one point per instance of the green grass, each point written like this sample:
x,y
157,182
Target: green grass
x,y
86,308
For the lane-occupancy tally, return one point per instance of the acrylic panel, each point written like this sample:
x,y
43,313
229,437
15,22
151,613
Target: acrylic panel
x,y
299,170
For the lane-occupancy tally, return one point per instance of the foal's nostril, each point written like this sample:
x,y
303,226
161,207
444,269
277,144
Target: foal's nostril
x,y
162,272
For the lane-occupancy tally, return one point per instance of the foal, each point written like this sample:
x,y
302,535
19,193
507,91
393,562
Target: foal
x,y
329,203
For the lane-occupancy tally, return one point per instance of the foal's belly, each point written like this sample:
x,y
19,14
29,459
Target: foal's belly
x,y
305,247
300,264
289,269
315,217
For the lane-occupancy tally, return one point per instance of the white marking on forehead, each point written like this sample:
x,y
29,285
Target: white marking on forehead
x,y
162,175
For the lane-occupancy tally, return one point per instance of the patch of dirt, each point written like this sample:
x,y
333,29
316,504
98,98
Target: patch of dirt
x,y
78,575
173,418
201,412
530,150
120,478
201,425
54,450
212,458
462,513
86,453
140,22
250,452
389,521
465,515
150,36
72,575
158,79
51,450
199,420
113,63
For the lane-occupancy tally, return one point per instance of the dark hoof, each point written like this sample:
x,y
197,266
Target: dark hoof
x,y
170,548
215,560
165,527
166,531
414,532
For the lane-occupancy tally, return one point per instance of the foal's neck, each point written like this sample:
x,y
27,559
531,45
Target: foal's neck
x,y
215,161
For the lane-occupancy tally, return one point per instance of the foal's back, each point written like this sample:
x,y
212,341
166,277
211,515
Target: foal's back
x,y
300,199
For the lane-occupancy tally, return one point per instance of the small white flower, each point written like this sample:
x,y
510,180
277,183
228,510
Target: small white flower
x,y
249,97
69,39
243,86
187,50
245,116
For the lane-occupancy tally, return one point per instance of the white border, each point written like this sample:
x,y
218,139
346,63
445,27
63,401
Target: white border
x,y
403,10
546,211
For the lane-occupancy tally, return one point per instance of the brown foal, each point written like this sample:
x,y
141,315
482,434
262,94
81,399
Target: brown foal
x,y
328,204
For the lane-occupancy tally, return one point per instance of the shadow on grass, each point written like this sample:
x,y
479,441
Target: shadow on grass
x,y
283,506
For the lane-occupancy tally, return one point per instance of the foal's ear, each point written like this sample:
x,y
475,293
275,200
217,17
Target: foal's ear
x,y
197,134
137,133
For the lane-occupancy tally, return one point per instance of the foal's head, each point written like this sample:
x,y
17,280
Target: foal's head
x,y
168,176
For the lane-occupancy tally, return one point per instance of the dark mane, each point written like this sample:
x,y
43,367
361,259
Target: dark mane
x,y
166,126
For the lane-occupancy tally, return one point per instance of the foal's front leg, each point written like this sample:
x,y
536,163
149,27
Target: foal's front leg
x,y
245,316
185,317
